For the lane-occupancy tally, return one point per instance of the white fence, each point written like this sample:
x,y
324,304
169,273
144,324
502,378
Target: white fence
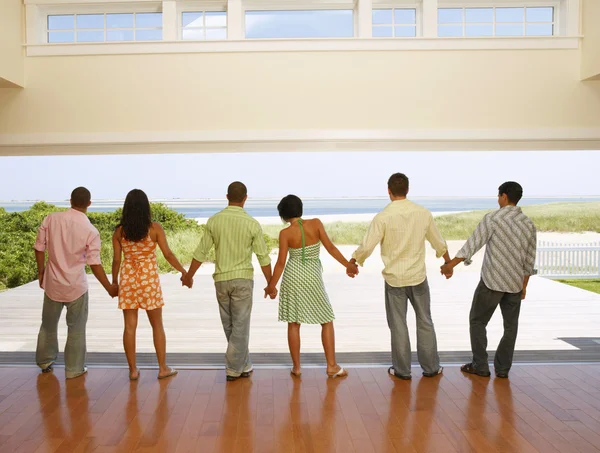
x,y
568,261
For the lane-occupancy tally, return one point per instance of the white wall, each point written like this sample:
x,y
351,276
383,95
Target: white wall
x,y
302,90
501,99
590,61
11,50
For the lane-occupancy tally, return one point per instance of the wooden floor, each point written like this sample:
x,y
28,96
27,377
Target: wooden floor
x,y
546,409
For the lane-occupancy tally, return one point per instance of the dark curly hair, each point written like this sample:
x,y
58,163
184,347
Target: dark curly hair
x,y
290,207
137,216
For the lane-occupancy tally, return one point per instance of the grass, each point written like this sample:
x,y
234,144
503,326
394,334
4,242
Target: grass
x,y
555,217
183,244
589,285
551,217
340,233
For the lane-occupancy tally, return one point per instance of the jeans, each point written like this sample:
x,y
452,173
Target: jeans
x,y
235,307
484,305
395,307
75,349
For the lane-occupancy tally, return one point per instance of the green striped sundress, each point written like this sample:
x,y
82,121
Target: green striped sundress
x,y
302,295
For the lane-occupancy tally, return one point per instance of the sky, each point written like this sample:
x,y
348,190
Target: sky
x,y
356,174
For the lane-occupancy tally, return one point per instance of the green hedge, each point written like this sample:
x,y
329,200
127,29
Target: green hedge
x,y
18,231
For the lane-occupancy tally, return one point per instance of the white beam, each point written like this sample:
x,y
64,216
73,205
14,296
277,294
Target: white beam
x,y
170,22
33,25
235,20
299,45
233,141
573,17
364,12
429,14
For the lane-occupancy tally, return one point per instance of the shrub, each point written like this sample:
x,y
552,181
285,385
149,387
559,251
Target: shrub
x,y
18,231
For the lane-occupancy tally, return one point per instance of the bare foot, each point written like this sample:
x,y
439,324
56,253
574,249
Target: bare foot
x,y
296,372
134,375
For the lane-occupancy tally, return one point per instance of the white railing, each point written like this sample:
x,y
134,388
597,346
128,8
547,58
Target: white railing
x,y
568,261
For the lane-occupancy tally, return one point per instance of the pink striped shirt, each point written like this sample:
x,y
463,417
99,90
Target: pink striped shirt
x,y
72,242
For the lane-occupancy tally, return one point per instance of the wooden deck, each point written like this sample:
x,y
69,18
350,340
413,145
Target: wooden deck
x,y
545,409
551,313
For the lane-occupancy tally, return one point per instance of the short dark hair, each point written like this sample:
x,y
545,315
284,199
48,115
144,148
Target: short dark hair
x,y
81,197
290,207
398,184
236,192
513,191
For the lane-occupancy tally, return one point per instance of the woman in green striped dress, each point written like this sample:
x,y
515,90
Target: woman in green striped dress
x,y
302,296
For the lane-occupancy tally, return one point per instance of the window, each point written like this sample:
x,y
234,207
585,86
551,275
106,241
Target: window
x,y
205,25
498,21
104,27
394,23
300,24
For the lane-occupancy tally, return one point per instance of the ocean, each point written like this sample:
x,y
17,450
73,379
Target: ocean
x,y
312,206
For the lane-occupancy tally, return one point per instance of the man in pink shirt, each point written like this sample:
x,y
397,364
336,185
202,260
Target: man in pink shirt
x,y
71,242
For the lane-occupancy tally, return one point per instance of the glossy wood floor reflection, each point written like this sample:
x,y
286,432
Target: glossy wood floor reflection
x,y
546,409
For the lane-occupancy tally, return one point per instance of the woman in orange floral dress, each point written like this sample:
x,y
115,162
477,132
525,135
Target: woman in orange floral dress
x,y
136,239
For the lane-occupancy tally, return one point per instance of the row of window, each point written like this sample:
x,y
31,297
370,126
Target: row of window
x,y
533,21
104,27
387,23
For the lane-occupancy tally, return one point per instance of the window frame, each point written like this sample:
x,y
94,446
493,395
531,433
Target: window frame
x,y
98,8
475,4
201,6
566,31
417,5
305,5
394,25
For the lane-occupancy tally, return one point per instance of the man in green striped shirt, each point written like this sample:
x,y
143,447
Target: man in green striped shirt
x,y
235,235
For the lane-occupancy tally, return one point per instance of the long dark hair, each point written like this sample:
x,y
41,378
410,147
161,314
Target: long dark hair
x,y
137,217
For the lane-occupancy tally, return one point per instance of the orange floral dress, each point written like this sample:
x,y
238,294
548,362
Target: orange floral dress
x,y
139,281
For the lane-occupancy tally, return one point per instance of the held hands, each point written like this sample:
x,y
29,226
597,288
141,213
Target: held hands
x,y
447,270
271,291
113,290
352,269
186,280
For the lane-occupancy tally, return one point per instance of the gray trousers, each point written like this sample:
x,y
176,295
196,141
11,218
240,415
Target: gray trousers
x,y
75,349
395,307
484,305
235,307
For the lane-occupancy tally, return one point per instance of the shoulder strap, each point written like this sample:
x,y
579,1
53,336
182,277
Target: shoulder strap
x,y
303,240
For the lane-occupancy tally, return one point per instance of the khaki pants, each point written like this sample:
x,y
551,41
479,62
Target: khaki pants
x,y
235,307
75,349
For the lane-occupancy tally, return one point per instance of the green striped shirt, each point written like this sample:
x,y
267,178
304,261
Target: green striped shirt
x,y
235,235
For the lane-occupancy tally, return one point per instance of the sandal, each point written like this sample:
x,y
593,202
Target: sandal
x,y
295,373
340,373
131,378
470,369
172,372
